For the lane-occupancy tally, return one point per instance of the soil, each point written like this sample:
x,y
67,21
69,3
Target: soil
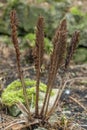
x,y
73,102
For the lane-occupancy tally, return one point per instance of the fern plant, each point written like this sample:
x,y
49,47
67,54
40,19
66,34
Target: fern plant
x,y
60,58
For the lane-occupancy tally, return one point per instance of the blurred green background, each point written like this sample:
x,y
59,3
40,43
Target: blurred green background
x,y
53,11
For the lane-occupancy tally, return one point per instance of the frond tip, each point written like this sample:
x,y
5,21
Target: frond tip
x,y
39,43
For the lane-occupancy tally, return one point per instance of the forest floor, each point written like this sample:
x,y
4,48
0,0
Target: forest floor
x,y
73,102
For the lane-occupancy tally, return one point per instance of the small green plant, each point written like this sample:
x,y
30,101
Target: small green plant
x,y
59,58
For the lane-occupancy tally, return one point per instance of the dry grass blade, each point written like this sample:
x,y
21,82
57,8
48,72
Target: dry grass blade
x,y
57,58
23,110
38,56
72,47
13,123
16,46
80,104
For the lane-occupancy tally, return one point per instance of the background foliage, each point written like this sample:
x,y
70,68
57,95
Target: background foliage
x,y
53,11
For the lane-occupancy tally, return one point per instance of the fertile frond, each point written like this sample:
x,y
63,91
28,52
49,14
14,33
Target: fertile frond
x,y
14,38
57,57
16,46
38,55
39,43
72,47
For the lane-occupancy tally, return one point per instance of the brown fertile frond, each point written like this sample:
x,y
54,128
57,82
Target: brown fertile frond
x,y
73,44
57,57
16,46
14,37
59,42
39,43
61,27
72,47
38,55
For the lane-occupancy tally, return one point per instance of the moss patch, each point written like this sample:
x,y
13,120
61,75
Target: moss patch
x,y
14,92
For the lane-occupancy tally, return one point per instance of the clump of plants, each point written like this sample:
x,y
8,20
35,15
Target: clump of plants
x,y
59,59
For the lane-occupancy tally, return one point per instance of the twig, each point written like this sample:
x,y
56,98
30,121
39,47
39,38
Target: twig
x,y
75,100
13,123
79,66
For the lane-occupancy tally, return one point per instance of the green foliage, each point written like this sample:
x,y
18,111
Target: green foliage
x,y
28,15
48,46
80,55
5,39
76,11
14,93
30,39
53,13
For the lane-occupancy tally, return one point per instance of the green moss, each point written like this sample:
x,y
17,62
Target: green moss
x,y
14,92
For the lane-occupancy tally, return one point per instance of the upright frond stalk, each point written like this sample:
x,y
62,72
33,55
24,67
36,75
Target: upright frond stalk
x,y
16,46
72,47
38,56
57,58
